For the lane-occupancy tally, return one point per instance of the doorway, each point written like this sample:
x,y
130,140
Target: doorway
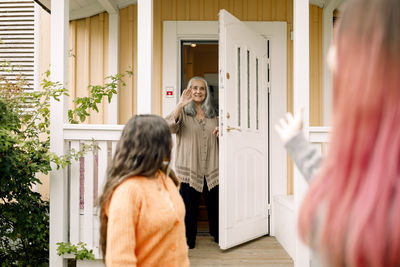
x,y
200,58
176,31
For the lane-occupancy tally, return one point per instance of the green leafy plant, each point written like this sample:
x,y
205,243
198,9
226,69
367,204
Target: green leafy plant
x,y
97,93
25,152
79,250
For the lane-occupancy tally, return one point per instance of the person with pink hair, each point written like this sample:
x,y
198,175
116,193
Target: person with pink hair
x,y
350,215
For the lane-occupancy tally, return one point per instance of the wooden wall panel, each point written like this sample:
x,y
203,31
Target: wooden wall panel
x,y
238,9
194,9
72,63
280,10
105,61
82,62
315,66
88,46
266,10
44,43
180,9
96,60
127,60
44,65
210,10
225,4
157,56
251,10
169,9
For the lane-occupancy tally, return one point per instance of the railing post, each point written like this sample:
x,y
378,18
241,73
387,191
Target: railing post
x,y
58,116
301,70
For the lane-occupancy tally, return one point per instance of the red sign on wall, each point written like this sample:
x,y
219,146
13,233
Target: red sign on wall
x,y
169,92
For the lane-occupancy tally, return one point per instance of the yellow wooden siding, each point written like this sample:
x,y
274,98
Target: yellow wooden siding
x,y
315,66
44,66
88,60
127,60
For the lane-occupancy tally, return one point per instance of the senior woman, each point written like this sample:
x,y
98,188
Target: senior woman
x,y
195,122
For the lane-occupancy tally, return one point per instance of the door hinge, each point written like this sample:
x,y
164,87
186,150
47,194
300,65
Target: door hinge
x,y
269,209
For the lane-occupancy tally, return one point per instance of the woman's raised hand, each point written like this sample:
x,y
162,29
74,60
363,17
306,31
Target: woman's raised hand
x,y
186,97
290,126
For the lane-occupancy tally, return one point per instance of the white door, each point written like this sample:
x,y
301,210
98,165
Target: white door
x,y
243,103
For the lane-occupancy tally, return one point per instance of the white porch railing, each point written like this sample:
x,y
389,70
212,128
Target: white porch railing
x,y
86,178
319,137
283,206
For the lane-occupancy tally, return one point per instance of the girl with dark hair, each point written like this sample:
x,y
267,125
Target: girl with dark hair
x,y
350,216
195,123
141,211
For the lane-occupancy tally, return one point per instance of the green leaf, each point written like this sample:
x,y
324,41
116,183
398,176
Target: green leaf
x,y
25,151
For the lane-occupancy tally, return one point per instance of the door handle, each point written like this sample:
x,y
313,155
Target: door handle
x,y
229,128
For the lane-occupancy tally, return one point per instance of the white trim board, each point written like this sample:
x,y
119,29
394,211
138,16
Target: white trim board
x,y
175,31
327,32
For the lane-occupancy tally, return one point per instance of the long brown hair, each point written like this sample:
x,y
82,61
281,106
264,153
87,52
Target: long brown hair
x,y
143,149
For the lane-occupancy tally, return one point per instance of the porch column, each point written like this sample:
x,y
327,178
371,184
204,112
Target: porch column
x,y
145,57
301,84
327,32
113,53
58,116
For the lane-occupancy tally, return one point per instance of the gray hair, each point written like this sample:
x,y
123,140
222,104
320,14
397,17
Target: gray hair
x,y
208,106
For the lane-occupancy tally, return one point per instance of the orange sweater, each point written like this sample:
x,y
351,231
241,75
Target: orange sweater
x,y
146,225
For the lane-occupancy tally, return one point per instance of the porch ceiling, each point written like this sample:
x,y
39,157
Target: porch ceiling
x,y
79,9
85,8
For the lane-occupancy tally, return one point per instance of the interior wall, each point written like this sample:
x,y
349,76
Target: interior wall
x,y
200,60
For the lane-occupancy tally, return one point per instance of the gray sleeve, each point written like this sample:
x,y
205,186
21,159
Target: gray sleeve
x,y
173,125
306,158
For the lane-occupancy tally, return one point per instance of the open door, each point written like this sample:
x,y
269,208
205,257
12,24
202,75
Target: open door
x,y
243,111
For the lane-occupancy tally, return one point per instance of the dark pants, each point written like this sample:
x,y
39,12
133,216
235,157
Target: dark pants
x,y
192,199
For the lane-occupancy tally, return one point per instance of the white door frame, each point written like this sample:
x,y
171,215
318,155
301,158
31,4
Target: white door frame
x,y
175,31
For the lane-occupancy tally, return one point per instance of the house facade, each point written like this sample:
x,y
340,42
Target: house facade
x,y
88,49
84,41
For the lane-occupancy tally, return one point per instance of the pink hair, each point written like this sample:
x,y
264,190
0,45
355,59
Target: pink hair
x,y
351,213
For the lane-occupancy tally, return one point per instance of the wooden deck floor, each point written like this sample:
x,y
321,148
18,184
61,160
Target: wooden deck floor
x,y
264,251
